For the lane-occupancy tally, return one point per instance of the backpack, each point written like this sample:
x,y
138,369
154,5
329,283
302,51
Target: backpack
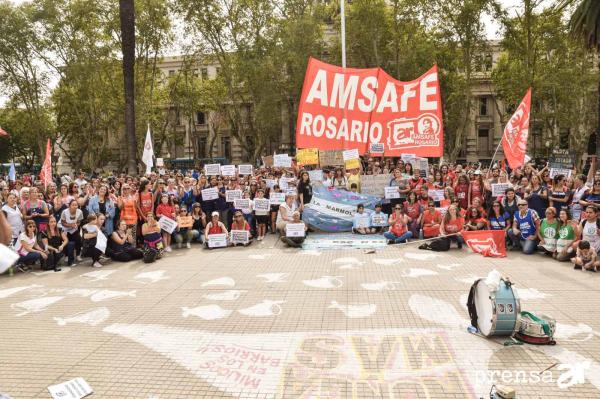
x,y
440,245
150,255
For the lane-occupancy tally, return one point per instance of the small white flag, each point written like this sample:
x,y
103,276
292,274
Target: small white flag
x,y
148,155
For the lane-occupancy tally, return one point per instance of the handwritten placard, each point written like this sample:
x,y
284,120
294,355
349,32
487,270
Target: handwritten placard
x,y
294,230
209,194
379,219
331,158
212,169
282,161
315,175
376,148
245,170
217,240
232,195
240,236
499,189
228,170
350,154
241,203
185,222
374,184
277,198
391,192
308,156
436,195
167,224
261,205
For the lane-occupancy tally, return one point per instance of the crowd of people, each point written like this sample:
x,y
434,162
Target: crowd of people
x,y
120,217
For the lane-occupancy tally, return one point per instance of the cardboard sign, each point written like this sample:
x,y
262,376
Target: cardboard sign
x,y
241,203
185,222
245,170
101,241
268,161
76,388
262,205
376,148
331,158
379,219
167,224
217,240
209,194
308,156
276,198
228,170
499,189
294,230
160,162
374,184
315,175
213,169
239,236
391,192
282,161
557,171
232,195
436,195
352,164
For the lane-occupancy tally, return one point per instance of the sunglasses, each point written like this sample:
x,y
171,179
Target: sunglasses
x,y
522,204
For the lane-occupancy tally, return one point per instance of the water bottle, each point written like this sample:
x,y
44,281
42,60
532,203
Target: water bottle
x,y
472,330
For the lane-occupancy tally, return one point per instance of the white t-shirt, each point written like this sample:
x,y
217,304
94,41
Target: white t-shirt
x,y
15,219
19,246
289,213
67,217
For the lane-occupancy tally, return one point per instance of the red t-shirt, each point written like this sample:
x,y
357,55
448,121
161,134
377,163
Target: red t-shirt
x,y
412,210
454,226
165,209
398,227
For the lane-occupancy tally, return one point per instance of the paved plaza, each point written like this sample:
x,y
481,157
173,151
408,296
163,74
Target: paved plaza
x,y
273,322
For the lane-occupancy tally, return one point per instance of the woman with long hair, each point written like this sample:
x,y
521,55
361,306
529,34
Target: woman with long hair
x,y
452,225
70,221
475,220
398,231
305,192
537,195
413,210
559,195
28,249
499,219
567,234
104,202
477,188
461,191
548,232
122,244
91,230
56,244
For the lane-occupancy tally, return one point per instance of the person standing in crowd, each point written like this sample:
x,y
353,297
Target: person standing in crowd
x,y
56,244
559,196
70,221
14,217
403,189
592,197
127,204
304,190
144,202
461,191
398,231
580,189
103,202
537,196
413,210
262,217
476,188
524,229
340,181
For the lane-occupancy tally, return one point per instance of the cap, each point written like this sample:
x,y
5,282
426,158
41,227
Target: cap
x,y
215,213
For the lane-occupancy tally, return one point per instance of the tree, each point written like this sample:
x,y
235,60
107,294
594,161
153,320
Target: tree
x,y
127,18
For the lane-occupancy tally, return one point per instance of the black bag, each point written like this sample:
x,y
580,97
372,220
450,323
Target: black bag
x,y
440,245
150,255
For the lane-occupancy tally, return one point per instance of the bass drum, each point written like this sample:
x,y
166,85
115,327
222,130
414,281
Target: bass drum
x,y
494,313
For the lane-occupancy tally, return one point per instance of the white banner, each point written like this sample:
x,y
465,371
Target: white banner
x,y
334,209
167,224
241,203
101,241
284,182
315,175
294,230
436,195
282,161
232,195
245,170
556,171
228,170
277,198
240,236
217,240
362,221
392,192
210,194
271,183
262,205
348,155
212,169
499,189
7,258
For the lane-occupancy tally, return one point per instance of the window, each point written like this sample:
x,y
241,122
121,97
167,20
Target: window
x,y
204,73
488,62
202,147
226,147
483,132
200,118
250,144
195,73
172,72
483,111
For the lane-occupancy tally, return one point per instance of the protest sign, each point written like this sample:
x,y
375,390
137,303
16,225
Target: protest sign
x,y
276,198
436,195
308,156
232,195
442,210
331,158
349,108
315,175
185,222
245,170
160,162
167,224
282,161
423,166
408,158
362,220
499,189
101,241
379,219
376,148
285,182
7,258
557,171
228,170
217,240
561,159
349,155
352,164
294,230
261,205
239,236
268,161
241,203
271,183
374,184
210,194
391,192
213,169
76,388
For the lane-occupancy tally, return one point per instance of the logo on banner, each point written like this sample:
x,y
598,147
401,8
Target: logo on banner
x,y
422,131
486,247
517,129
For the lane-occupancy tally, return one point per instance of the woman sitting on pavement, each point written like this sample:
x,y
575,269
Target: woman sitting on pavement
x,y
152,234
56,243
199,222
431,221
567,234
398,231
453,223
215,226
499,219
295,242
122,244
240,223
91,230
474,220
28,249
361,222
548,232
286,210
183,232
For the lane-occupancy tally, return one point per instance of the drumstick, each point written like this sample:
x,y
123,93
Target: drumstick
x,y
554,365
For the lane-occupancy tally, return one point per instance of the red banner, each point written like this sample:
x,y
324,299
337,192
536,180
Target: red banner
x,y
486,242
346,108
514,139
46,172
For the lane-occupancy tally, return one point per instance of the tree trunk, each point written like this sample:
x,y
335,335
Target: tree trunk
x,y
127,16
598,116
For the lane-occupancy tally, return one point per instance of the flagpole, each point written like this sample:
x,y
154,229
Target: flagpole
x,y
343,31
496,152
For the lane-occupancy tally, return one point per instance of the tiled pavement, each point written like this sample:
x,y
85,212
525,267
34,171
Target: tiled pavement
x,y
154,331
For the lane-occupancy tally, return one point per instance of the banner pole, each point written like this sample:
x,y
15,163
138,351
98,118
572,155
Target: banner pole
x,y
429,239
495,153
343,32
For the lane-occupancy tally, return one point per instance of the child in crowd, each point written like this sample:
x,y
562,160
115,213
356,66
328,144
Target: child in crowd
x,y
585,258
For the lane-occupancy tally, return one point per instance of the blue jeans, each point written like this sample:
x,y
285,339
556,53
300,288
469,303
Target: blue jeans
x,y
392,237
457,239
31,258
527,246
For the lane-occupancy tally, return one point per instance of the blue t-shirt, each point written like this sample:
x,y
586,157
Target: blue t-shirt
x,y
499,223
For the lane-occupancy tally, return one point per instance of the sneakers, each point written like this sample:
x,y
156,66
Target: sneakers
x,y
179,245
577,267
79,258
188,245
260,238
96,264
168,249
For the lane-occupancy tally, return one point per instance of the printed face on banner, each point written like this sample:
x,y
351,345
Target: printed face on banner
x,y
350,108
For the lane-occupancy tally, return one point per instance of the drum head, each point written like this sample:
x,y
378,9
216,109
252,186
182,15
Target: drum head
x,y
483,306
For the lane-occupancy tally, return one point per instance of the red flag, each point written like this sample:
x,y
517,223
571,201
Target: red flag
x,y
514,139
3,132
486,242
46,172
349,108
